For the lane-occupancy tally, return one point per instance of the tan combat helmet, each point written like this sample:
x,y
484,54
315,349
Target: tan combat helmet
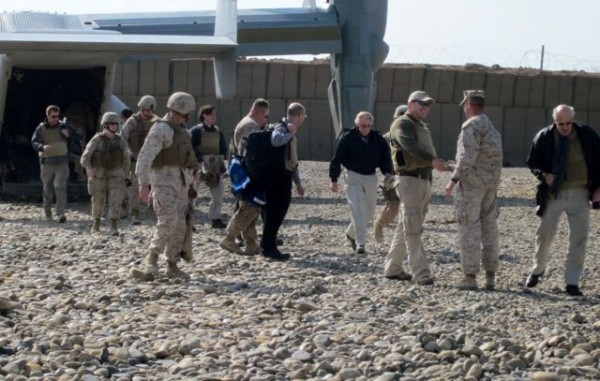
x,y
147,102
109,117
182,103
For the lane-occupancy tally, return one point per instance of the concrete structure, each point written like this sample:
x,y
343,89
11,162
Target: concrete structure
x,y
519,102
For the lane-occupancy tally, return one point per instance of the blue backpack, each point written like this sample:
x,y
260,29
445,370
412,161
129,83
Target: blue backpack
x,y
241,184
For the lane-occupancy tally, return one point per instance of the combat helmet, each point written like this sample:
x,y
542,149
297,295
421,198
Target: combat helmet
x,y
182,103
147,102
109,117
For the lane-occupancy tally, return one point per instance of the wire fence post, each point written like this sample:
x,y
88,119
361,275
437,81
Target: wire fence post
x,y
542,60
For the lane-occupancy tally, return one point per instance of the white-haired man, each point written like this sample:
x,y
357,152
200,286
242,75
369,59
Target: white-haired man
x,y
361,150
565,157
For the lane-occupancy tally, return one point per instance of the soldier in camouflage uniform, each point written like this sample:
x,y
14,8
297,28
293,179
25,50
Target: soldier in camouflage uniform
x,y
391,200
475,183
244,219
134,132
167,164
106,164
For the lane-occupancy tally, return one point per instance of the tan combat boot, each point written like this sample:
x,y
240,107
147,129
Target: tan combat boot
x,y
175,272
113,231
490,280
469,282
150,270
228,243
252,247
96,226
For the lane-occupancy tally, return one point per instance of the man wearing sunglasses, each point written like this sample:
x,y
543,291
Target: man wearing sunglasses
x,y
565,158
361,150
243,221
414,157
50,140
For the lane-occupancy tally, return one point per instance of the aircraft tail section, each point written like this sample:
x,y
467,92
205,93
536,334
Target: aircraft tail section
x,y
225,63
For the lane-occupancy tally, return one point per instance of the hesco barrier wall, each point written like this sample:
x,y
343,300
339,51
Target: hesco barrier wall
x,y
519,102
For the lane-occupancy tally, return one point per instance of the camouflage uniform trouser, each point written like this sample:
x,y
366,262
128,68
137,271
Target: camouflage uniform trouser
x,y
390,209
106,188
54,179
244,221
170,205
414,194
476,216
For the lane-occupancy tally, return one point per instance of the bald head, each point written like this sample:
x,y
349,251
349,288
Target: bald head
x,y
563,110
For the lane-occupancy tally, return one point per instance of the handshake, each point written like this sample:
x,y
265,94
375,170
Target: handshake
x,y
443,165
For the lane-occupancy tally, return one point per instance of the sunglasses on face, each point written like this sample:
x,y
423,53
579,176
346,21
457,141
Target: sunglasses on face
x,y
423,104
364,125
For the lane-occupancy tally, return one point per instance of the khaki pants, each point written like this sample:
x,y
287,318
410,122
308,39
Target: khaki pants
x,y
243,222
574,202
476,215
414,194
361,192
54,180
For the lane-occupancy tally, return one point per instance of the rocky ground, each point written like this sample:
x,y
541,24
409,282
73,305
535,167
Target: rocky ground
x,y
69,310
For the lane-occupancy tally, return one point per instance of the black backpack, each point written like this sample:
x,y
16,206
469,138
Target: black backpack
x,y
263,162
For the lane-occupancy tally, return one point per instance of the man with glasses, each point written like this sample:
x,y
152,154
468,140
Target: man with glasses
x,y
134,132
279,189
565,158
167,164
243,221
50,140
414,157
106,164
361,150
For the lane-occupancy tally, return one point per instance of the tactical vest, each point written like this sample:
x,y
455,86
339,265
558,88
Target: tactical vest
x,y
53,137
109,154
180,153
209,141
139,132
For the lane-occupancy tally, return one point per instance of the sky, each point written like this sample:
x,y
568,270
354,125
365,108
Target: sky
x,y
508,33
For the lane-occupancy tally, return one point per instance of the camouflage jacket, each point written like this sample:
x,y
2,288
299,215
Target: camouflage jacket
x,y
95,144
478,153
160,137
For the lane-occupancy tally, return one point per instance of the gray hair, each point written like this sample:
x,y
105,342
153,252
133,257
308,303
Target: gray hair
x,y
363,114
295,109
563,108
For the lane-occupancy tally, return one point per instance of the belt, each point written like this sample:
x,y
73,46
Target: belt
x,y
416,175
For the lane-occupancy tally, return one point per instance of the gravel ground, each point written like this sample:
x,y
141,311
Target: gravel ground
x,y
69,310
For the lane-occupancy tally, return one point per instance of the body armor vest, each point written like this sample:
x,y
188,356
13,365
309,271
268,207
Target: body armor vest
x,y
180,153
109,154
209,143
139,132
53,137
